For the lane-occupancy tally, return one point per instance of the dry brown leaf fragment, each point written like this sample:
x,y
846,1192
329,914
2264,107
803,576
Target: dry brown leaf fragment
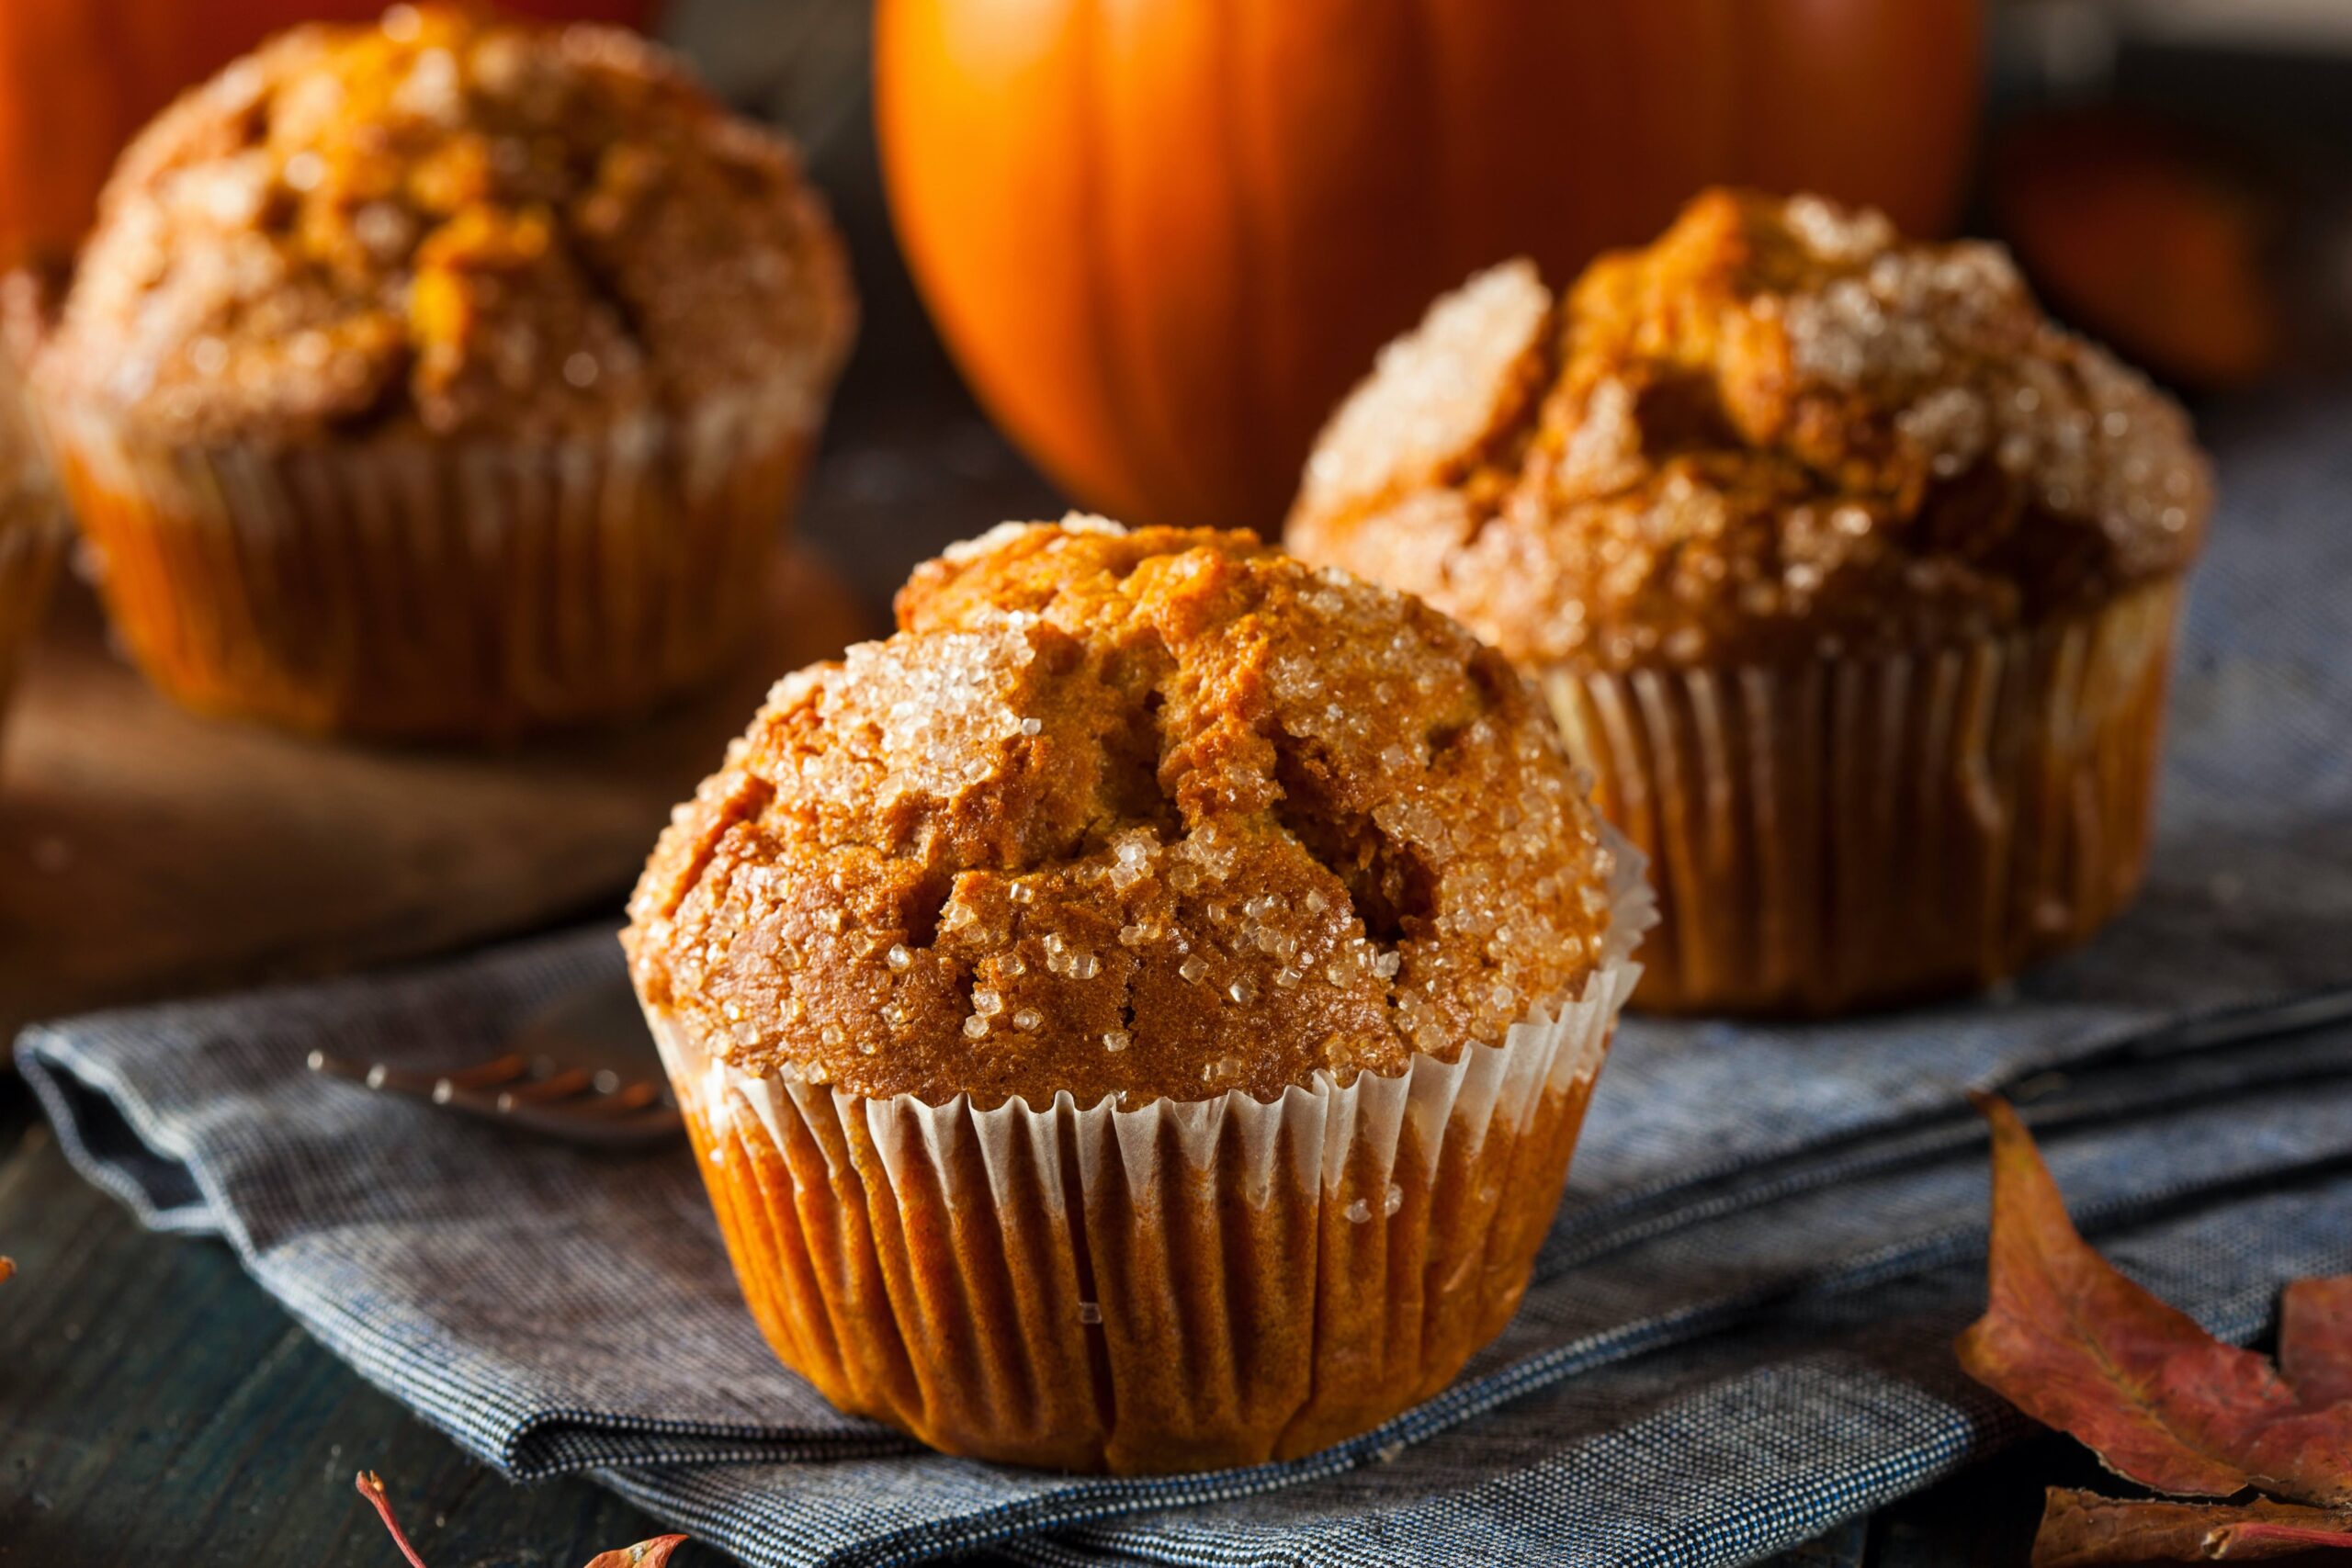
x,y
651,1553
2316,1339
2076,1345
2080,1529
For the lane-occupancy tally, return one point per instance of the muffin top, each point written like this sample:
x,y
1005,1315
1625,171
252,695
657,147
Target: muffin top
x,y
1779,432
449,224
1159,814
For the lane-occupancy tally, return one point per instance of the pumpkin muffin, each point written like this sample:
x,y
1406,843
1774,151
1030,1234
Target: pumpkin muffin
x,y
443,378
1137,1016
1852,576
34,529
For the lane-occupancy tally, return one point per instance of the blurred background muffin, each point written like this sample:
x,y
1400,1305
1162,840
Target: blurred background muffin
x,y
77,81
1125,844
443,378
1852,577
34,530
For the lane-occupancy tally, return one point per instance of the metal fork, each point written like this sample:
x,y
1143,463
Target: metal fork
x,y
583,1069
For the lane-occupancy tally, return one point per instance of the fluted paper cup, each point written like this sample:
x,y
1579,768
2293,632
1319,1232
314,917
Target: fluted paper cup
x,y
1173,1286
412,589
1862,831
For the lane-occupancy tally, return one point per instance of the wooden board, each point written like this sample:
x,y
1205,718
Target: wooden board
x,y
146,851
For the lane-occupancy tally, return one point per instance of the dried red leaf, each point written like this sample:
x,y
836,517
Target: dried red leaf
x,y
644,1554
651,1553
2316,1339
2081,1530
2077,1345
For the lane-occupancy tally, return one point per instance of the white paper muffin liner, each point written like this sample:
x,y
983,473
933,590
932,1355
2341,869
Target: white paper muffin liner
x,y
410,588
1859,830
1180,1285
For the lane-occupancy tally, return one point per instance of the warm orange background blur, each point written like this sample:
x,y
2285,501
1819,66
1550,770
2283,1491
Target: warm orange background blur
x,y
78,77
1163,238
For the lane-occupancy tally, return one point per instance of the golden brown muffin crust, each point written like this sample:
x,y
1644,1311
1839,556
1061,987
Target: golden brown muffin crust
x,y
455,224
1780,430
1158,814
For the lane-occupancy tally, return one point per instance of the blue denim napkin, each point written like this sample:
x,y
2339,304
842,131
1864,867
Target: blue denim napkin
x,y
1740,1330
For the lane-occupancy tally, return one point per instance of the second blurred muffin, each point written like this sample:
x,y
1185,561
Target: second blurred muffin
x,y
33,527
1851,576
444,378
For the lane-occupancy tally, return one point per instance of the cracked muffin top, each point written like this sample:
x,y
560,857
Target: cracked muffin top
x,y
1780,432
1159,814
452,224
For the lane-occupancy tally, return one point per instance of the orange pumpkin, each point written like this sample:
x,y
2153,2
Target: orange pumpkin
x,y
1162,237
2148,235
79,77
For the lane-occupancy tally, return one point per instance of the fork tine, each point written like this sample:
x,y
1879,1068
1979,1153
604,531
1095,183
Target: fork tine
x,y
487,1074
579,1114
488,1104
334,1066
372,1075
555,1086
619,1102
646,1125
577,1122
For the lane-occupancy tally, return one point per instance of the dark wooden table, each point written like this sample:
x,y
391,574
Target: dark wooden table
x,y
155,1407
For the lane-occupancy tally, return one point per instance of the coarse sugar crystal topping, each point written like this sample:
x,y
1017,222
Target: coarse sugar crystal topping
x,y
451,223
1780,433
1161,813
